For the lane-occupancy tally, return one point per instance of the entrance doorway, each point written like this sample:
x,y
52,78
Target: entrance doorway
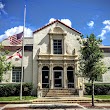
x,y
45,77
58,77
70,77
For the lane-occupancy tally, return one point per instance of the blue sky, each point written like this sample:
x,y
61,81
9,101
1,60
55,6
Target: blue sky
x,y
86,16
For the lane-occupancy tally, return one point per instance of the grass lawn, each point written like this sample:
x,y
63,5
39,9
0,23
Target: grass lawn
x,y
17,98
100,96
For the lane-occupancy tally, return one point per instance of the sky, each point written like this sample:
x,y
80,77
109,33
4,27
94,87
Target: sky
x,y
86,16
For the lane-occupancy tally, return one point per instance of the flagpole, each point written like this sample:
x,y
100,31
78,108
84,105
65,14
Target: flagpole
x,y
22,60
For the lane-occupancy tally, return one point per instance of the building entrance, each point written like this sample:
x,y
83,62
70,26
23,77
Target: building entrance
x,y
57,78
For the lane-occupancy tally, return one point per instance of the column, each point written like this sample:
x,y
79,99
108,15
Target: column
x,y
75,77
40,74
64,46
51,46
39,83
51,76
65,75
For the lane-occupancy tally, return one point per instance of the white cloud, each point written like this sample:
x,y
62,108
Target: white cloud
x,y
91,24
51,20
65,21
105,30
16,30
2,8
107,27
1,5
102,35
106,22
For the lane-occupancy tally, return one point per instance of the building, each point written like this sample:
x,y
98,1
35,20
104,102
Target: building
x,y
51,59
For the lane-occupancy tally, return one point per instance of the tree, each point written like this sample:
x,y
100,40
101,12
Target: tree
x,y
4,64
91,65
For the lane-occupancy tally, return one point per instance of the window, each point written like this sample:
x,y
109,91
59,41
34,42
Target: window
x,y
28,48
57,46
16,74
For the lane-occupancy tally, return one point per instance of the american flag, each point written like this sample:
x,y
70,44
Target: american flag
x,y
17,53
16,39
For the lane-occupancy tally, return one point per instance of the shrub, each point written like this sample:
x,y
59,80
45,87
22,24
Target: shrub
x,y
99,89
14,89
27,89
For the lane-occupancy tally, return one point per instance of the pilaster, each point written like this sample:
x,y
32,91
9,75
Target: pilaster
x,y
40,74
75,77
65,75
51,75
51,44
64,45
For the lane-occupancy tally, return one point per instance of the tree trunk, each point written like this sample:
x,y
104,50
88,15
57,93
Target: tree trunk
x,y
92,93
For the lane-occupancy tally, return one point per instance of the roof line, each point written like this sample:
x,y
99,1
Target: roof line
x,y
53,23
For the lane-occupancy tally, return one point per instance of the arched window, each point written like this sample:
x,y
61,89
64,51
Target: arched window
x,y
45,77
70,77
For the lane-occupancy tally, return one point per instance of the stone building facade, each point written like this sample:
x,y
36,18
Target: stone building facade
x,y
50,59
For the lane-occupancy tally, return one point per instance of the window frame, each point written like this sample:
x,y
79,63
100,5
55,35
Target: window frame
x,y
57,46
45,81
16,74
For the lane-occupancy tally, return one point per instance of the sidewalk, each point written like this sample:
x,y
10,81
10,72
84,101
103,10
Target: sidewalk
x,y
58,106
62,103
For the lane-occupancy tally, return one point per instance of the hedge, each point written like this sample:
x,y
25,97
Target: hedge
x,y
99,89
14,89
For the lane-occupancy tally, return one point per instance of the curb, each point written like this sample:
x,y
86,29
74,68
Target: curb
x,y
34,101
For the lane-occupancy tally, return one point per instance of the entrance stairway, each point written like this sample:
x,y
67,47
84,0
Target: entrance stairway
x,y
59,92
61,100
59,96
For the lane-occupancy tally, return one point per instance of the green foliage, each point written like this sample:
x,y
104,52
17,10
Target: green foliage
x,y
82,36
16,98
90,61
4,64
99,89
14,89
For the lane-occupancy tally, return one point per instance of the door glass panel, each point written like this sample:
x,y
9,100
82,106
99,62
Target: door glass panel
x,y
45,79
70,78
57,79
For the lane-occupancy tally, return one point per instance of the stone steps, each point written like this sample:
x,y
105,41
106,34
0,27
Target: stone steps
x,y
61,100
58,92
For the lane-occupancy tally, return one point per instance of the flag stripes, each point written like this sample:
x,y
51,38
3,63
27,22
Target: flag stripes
x,y
17,53
16,39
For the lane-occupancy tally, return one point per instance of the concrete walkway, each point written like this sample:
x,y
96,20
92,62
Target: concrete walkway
x,y
56,106
59,103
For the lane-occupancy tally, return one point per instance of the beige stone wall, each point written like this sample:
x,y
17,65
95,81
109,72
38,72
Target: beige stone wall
x,y
27,67
71,41
41,40
41,45
27,61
